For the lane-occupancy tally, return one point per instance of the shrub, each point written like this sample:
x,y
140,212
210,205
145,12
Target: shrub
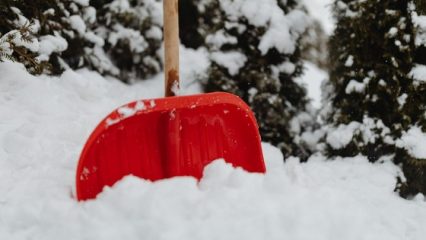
x,y
255,53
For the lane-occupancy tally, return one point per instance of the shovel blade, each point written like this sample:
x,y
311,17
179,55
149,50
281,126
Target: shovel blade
x,y
168,137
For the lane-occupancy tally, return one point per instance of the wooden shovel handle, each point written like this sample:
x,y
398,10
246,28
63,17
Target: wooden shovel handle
x,y
171,46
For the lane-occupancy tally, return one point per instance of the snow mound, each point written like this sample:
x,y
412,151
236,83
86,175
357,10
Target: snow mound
x,y
414,141
418,73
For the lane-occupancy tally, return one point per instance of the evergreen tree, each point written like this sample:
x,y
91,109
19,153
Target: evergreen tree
x,y
414,162
47,35
376,96
371,54
255,53
132,30
121,39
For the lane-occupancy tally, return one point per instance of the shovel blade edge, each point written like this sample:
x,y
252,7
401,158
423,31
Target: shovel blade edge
x,y
168,137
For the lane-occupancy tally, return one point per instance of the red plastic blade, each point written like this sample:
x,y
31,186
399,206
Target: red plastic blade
x,y
162,138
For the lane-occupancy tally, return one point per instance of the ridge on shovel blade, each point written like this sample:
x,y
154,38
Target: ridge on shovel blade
x,y
163,138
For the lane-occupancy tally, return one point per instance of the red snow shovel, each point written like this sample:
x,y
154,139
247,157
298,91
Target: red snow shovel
x,y
172,136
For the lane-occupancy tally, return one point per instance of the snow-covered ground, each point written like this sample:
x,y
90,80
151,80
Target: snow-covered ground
x,y
45,121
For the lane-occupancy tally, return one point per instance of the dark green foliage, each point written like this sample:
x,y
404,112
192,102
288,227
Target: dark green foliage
x,y
421,6
415,168
379,38
9,49
189,17
128,31
415,175
12,33
265,80
47,18
119,38
370,49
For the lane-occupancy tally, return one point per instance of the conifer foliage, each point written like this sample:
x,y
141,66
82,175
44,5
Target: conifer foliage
x,y
132,30
413,158
255,53
371,52
376,101
121,38
38,32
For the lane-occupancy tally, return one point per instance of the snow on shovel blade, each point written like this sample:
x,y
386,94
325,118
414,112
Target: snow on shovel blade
x,y
163,138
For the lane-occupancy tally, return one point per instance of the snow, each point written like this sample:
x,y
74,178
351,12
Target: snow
x,y
321,10
393,31
313,77
77,23
101,60
5,47
16,38
154,33
355,86
402,99
232,60
420,23
350,61
414,141
51,118
286,67
137,42
50,44
89,15
93,38
82,2
126,112
343,7
194,66
418,73
175,88
120,6
220,38
342,135
49,11
369,130
22,20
